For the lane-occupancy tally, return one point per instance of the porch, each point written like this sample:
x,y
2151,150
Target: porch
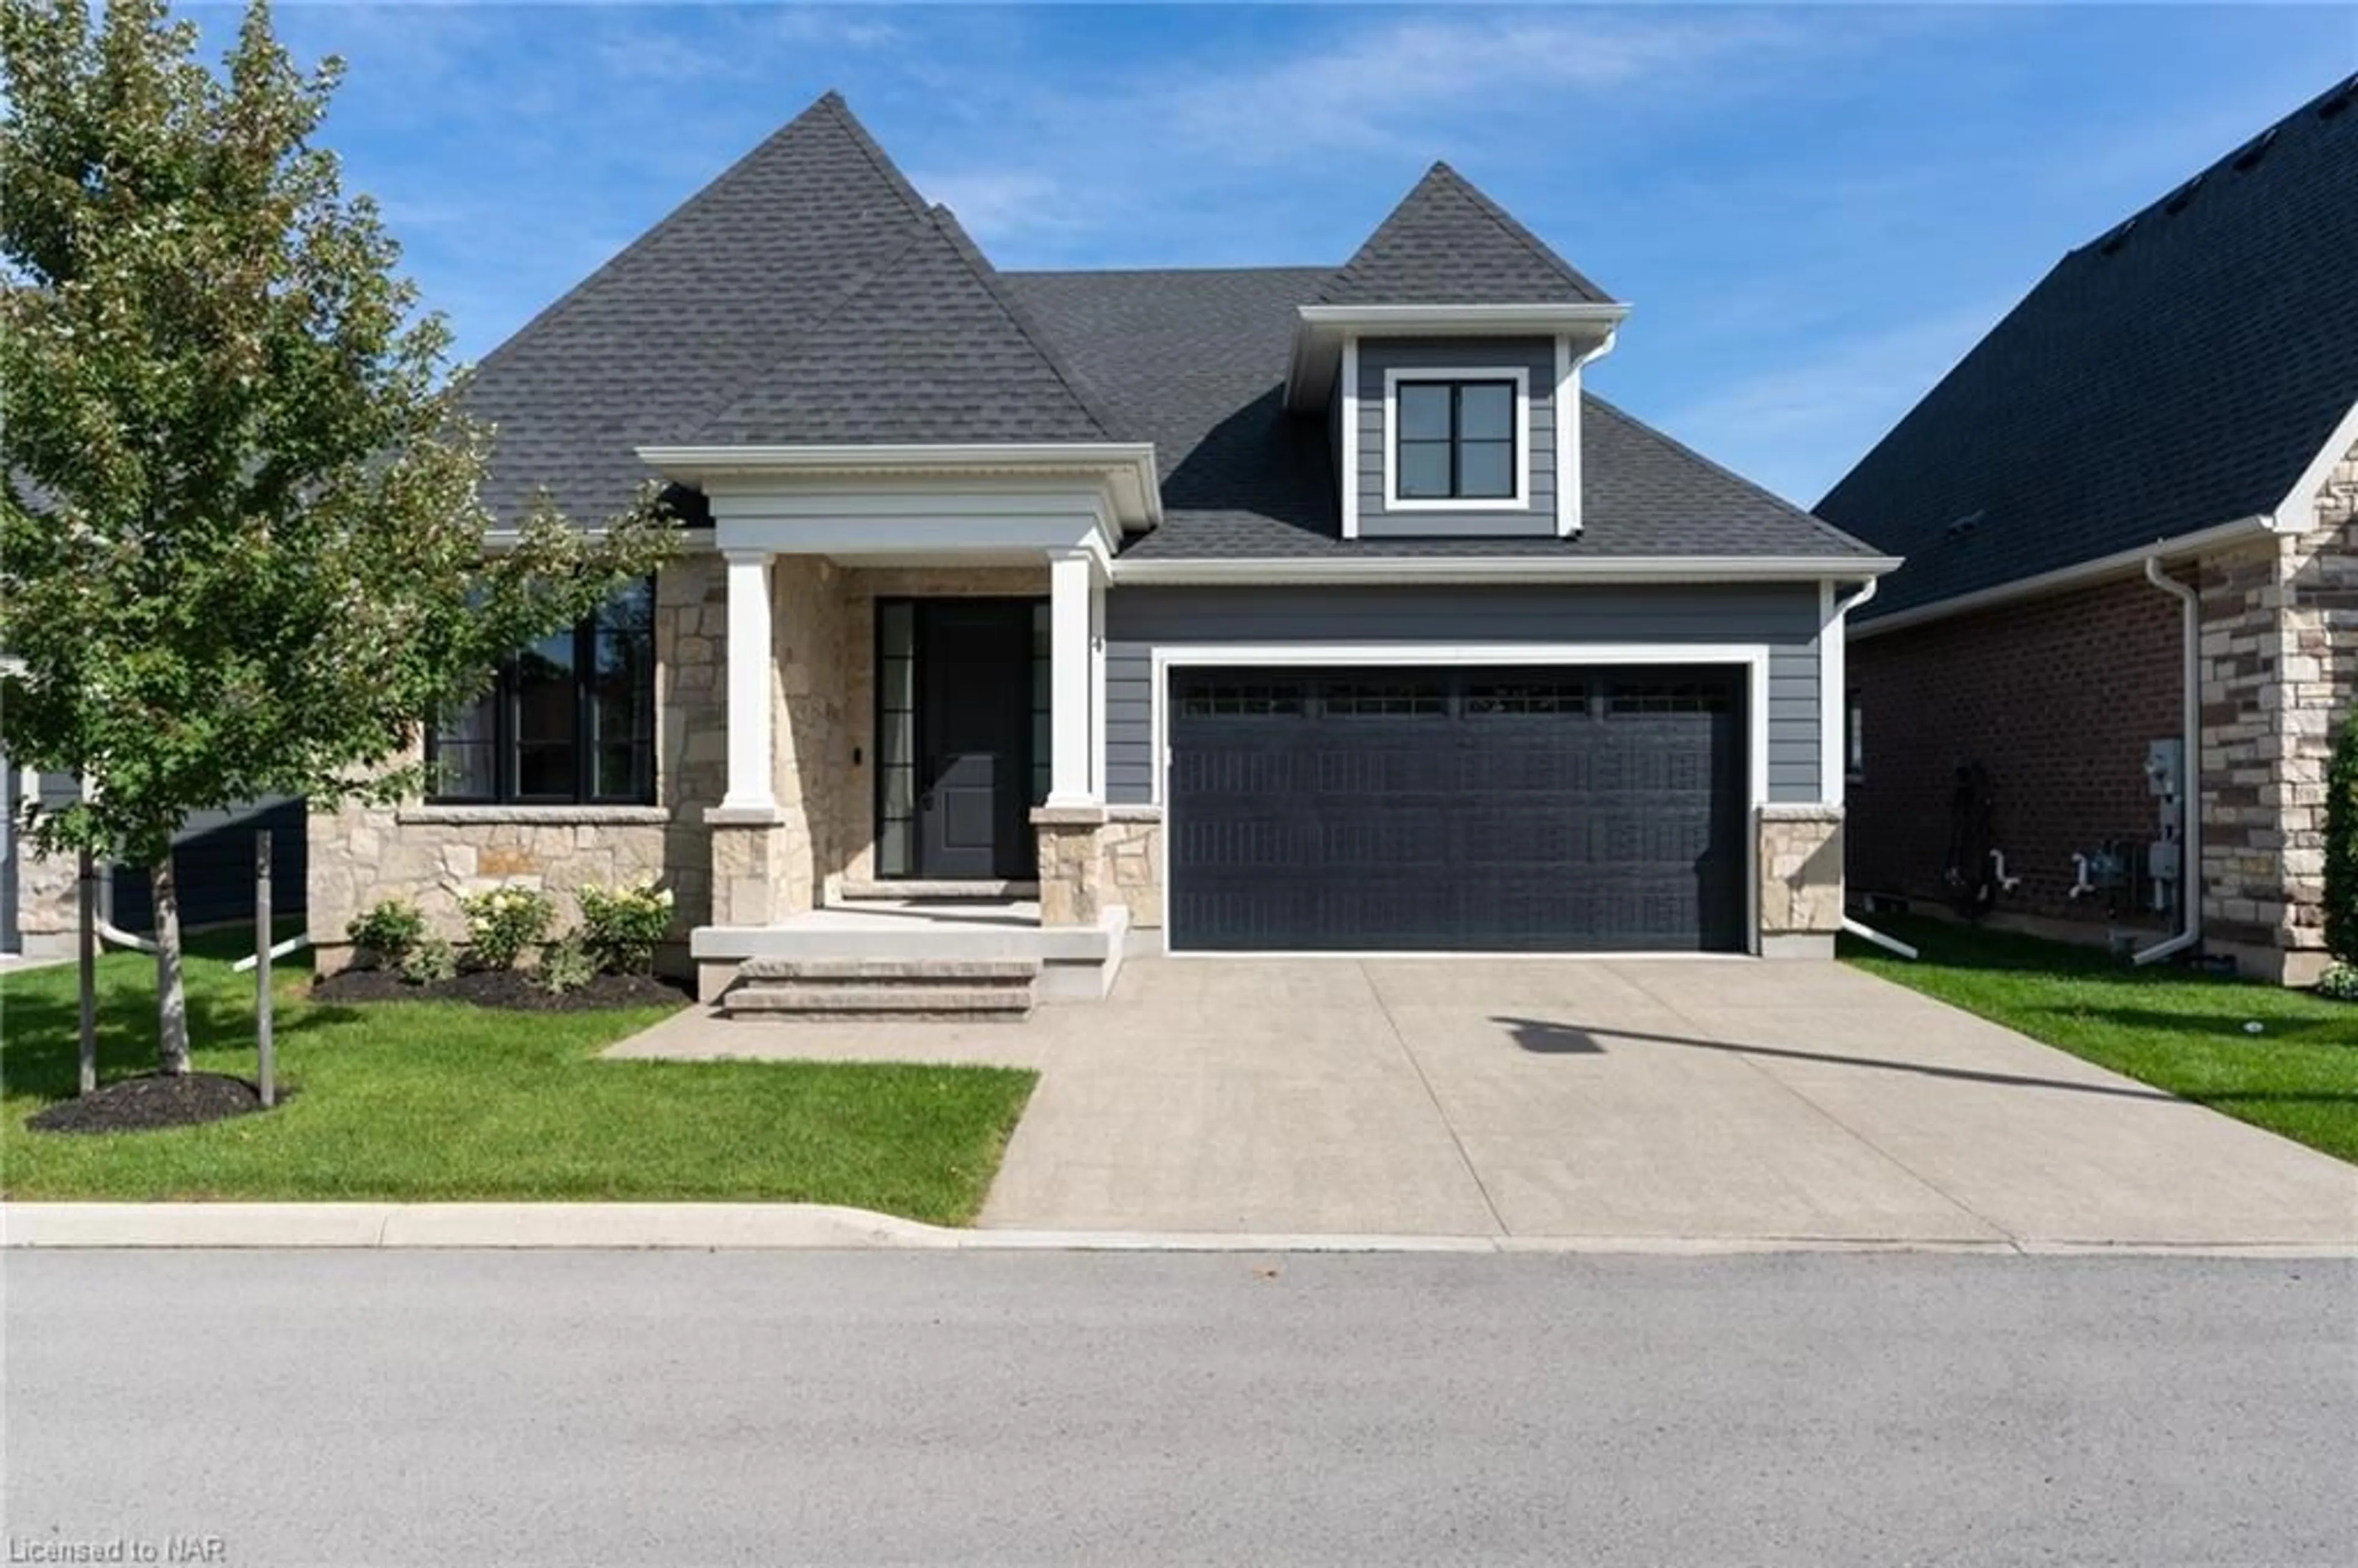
x,y
912,714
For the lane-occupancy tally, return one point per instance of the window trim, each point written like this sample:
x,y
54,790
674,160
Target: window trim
x,y
502,695
1520,375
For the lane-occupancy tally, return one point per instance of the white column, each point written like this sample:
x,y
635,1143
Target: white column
x,y
750,664
1072,588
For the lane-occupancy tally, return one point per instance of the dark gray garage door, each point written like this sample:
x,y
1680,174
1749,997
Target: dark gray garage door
x,y
1478,810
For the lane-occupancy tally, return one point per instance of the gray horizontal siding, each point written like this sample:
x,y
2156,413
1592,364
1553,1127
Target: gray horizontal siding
x,y
1536,357
1139,620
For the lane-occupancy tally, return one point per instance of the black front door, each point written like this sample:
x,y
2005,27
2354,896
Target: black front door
x,y
974,721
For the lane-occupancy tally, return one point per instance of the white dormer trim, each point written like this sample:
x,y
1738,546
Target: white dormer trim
x,y
1321,330
1519,502
1567,440
1349,456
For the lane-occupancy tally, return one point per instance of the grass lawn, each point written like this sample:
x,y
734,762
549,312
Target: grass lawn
x,y
443,1100
2297,1077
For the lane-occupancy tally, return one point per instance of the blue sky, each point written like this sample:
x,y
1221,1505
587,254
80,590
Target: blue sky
x,y
1815,211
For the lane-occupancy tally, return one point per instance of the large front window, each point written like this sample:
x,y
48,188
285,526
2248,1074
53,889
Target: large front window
x,y
1456,440
569,720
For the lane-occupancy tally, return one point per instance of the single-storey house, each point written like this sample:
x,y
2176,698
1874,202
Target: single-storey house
x,y
2101,693
1038,617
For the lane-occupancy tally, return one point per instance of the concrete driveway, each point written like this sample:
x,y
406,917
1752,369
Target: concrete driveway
x,y
1667,1099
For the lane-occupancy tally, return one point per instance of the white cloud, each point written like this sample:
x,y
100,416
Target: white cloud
x,y
996,203
1797,427
1367,88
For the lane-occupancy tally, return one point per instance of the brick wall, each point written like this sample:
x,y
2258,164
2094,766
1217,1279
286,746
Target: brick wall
x,y
2057,697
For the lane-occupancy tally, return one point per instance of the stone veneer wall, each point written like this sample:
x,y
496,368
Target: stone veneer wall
x,y
2280,664
1093,858
360,854
45,903
1800,866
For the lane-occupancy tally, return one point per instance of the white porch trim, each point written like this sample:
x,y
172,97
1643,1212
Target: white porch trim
x,y
753,666
1075,613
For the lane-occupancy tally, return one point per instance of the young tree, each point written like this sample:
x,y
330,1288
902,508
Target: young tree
x,y
241,552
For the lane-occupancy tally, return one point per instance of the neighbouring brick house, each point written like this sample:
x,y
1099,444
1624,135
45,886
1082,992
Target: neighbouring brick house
x,y
2178,397
1023,619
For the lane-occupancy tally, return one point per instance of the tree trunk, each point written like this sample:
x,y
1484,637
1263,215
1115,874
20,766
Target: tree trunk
x,y
171,995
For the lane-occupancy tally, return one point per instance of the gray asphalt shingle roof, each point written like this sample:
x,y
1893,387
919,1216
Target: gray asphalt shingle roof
x,y
2178,373
809,296
931,347
1195,362
1447,244
660,339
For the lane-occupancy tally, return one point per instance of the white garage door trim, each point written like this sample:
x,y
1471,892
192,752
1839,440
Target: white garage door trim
x,y
1753,656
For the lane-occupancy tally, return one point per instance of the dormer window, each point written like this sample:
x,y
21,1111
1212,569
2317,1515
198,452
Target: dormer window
x,y
1458,439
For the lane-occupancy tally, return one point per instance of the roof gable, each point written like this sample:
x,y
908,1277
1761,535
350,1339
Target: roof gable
x,y
930,348
2179,373
1447,244
648,346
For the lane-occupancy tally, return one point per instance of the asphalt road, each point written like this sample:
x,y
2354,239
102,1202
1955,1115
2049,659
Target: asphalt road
x,y
426,1408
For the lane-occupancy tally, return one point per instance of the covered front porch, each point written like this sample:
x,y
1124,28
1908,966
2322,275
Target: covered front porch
x,y
912,714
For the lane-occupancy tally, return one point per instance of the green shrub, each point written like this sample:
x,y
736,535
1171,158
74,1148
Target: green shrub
x,y
2341,845
429,962
503,922
383,933
565,966
2340,983
622,926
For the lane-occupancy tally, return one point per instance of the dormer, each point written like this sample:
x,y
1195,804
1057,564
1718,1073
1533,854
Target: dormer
x,y
1447,356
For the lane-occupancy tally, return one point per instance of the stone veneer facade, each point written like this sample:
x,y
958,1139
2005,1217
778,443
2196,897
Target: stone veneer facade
x,y
2279,666
1799,865
45,903
1093,859
722,870
431,854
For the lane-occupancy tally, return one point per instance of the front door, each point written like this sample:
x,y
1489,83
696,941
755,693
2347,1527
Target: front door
x,y
974,721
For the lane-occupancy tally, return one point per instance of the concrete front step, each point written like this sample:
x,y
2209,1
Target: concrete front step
x,y
844,989
904,971
851,1003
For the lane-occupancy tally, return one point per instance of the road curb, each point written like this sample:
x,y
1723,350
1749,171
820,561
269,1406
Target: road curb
x,y
729,1226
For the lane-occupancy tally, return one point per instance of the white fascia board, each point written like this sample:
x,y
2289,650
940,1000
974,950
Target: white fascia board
x,y
2298,513
2120,563
1127,468
1320,331
1446,321
940,518
1506,568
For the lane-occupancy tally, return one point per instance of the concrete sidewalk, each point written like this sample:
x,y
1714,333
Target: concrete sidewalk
x,y
1669,1102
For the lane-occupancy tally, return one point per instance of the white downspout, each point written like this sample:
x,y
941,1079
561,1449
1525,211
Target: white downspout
x,y
2190,785
1835,671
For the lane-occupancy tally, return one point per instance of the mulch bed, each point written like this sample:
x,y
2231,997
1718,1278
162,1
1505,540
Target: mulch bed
x,y
155,1100
512,990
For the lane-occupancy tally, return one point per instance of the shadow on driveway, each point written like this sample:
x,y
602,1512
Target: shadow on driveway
x,y
1542,1037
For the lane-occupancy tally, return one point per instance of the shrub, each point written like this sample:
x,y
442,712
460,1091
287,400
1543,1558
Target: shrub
x,y
565,966
429,962
383,933
2341,845
504,922
621,926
